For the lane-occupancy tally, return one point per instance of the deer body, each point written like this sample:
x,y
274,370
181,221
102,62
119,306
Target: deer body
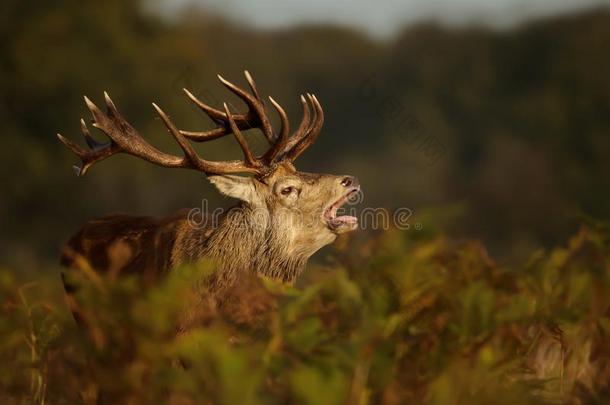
x,y
283,217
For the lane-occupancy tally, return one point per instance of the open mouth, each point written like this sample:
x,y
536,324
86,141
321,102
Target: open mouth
x,y
341,222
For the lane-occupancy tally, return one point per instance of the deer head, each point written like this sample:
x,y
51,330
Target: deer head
x,y
298,208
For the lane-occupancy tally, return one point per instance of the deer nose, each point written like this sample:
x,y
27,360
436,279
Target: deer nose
x,y
350,181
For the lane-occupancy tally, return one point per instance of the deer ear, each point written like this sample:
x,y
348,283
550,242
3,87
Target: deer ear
x,y
238,187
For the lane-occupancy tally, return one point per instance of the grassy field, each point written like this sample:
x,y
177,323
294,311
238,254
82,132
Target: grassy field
x,y
398,321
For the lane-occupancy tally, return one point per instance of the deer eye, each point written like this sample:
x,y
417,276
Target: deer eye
x,y
287,190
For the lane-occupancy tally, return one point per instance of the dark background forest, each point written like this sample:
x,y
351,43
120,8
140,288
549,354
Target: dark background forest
x,y
499,135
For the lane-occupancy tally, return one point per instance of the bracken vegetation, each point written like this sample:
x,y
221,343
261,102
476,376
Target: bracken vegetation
x,y
401,321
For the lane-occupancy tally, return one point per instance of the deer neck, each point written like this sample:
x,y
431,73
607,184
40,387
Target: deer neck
x,y
249,241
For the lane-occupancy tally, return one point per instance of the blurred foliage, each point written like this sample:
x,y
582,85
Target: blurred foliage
x,y
393,320
512,125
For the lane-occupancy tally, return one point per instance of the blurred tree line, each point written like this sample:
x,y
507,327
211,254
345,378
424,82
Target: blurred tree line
x,y
497,135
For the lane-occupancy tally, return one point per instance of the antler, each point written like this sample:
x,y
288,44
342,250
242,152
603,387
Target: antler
x,y
125,139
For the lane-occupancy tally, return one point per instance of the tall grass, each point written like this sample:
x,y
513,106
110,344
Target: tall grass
x,y
394,321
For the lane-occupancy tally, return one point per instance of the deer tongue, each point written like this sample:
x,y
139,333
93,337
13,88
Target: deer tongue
x,y
341,222
344,220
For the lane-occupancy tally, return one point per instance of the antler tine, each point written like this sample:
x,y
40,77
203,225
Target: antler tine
x,y
78,151
91,141
98,152
243,121
312,132
302,129
111,109
215,114
256,105
240,139
187,148
282,138
252,84
317,128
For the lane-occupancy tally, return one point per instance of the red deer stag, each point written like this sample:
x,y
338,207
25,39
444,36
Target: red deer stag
x,y
283,217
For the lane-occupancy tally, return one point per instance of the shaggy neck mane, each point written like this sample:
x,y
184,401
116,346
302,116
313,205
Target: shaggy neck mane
x,y
247,241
